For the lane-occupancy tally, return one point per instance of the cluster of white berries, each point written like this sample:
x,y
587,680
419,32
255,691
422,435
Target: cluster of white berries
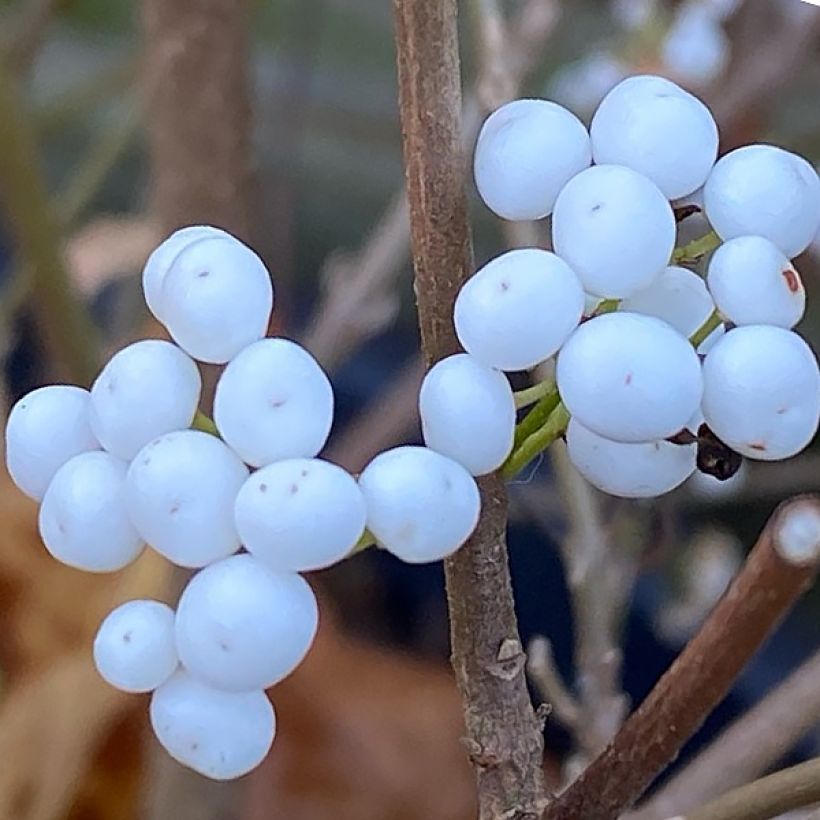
x,y
646,350
120,467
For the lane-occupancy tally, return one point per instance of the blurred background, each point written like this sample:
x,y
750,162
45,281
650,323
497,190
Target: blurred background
x,y
277,119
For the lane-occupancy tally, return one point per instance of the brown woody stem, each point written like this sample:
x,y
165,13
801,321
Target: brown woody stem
x,y
503,735
781,566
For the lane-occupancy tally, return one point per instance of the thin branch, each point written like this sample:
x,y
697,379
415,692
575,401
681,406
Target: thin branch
x,y
600,576
743,751
69,336
503,734
783,791
781,566
544,673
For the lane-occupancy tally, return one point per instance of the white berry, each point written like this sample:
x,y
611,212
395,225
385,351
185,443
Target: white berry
x,y
221,735
147,389
180,492
762,392
421,506
161,259
753,283
527,150
653,126
614,228
83,519
46,428
468,413
274,402
761,190
680,297
518,309
241,626
217,298
300,514
135,649
629,377
637,470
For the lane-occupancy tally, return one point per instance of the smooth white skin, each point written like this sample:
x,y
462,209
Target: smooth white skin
x,y
241,626
146,389
762,190
180,491
614,228
753,283
221,735
468,413
421,506
629,377
696,49
518,309
680,297
162,257
762,392
300,514
273,401
527,150
46,428
134,649
83,520
643,470
653,126
217,298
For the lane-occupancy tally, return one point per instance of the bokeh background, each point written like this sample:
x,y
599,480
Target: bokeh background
x,y
277,119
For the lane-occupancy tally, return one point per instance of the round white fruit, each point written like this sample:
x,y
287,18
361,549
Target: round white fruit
x,y
162,257
680,297
180,491
527,150
762,190
46,428
753,283
135,649
241,626
518,309
146,389
217,298
83,519
762,392
653,126
615,229
637,470
221,735
467,413
696,49
421,506
300,514
629,377
273,401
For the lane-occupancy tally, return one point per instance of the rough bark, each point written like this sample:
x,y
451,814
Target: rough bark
x,y
503,735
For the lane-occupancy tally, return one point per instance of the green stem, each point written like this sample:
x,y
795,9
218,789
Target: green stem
x,y
366,540
530,395
607,306
697,248
702,333
204,423
538,415
521,456
70,338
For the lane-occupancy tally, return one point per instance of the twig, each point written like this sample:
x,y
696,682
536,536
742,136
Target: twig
x,y
786,790
69,336
780,567
600,576
503,734
544,674
745,749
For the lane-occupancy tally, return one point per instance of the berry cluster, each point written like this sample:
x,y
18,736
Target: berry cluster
x,y
119,467
650,381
